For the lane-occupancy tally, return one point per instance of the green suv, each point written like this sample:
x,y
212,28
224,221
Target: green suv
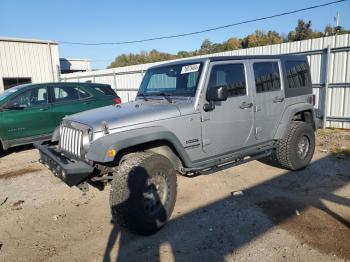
x,y
31,112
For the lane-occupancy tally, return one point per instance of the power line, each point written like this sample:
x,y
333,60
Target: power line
x,y
206,30
102,60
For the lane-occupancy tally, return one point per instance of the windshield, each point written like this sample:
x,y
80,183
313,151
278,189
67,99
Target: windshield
x,y
174,80
7,93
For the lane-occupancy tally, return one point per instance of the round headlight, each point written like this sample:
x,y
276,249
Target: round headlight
x,y
87,137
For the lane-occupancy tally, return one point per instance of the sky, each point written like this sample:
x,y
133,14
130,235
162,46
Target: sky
x,y
113,21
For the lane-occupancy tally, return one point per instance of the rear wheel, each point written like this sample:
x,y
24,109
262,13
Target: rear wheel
x,y
143,192
296,150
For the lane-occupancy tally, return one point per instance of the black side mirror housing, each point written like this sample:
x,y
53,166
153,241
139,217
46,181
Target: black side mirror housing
x,y
9,106
217,93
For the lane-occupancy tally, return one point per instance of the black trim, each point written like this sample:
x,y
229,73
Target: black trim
x,y
126,139
232,155
26,140
234,162
72,173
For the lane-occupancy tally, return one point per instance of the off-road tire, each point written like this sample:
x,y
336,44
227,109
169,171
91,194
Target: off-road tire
x,y
286,150
127,196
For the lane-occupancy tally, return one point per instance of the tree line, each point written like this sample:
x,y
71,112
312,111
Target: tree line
x,y
303,31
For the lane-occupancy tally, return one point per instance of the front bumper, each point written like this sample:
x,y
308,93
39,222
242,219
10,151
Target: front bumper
x,y
70,171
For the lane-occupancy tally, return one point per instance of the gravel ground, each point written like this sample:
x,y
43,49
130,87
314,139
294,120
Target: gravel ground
x,y
253,212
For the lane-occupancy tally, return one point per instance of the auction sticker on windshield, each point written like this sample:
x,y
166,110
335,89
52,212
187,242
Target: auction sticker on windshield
x,y
190,68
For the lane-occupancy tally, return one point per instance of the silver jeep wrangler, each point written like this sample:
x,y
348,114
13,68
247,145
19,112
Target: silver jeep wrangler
x,y
189,117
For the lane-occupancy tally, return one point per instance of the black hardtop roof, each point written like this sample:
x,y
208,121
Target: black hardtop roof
x,y
227,58
223,58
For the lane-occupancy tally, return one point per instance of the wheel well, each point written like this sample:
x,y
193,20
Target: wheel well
x,y
161,147
305,116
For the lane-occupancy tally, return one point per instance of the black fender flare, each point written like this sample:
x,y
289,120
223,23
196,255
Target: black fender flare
x,y
288,115
122,140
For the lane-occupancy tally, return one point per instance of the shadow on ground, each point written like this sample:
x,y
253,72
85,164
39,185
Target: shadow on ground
x,y
16,149
293,201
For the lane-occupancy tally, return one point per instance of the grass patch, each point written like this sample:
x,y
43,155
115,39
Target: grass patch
x,y
336,141
342,151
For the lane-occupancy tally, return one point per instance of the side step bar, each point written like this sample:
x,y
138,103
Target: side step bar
x,y
192,172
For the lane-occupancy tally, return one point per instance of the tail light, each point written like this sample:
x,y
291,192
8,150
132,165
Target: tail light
x,y
313,100
117,101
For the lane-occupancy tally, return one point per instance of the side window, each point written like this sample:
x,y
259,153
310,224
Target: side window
x,y
65,93
106,90
230,75
267,76
82,93
33,97
297,74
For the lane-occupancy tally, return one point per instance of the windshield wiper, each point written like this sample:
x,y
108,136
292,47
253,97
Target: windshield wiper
x,y
143,96
166,96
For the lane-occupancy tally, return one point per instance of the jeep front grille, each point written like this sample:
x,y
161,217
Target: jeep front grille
x,y
71,141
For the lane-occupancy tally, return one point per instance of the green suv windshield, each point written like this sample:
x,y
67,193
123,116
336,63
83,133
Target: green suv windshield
x,y
8,93
174,80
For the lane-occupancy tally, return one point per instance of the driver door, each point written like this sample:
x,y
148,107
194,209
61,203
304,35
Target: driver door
x,y
27,115
229,126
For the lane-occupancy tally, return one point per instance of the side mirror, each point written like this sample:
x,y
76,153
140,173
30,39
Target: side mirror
x,y
217,93
10,106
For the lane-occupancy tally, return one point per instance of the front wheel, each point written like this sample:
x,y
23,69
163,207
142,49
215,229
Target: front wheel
x,y
296,150
143,192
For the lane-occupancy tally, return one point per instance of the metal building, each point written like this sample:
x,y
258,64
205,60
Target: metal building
x,y
72,65
28,61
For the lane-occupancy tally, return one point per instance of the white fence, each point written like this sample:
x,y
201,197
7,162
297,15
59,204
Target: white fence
x,y
329,59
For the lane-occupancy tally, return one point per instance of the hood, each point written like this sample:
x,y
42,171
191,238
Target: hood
x,y
116,116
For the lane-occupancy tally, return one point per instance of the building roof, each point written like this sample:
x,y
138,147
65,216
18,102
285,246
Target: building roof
x,y
27,40
76,59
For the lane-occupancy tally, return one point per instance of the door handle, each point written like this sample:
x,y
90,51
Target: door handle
x,y
246,105
278,99
44,109
87,102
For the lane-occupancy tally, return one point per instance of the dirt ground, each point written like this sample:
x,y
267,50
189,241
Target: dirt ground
x,y
279,216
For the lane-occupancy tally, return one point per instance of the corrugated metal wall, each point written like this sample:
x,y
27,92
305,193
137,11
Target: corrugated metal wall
x,y
329,70
38,60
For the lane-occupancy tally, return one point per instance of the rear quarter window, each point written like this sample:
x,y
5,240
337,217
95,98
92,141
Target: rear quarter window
x,y
297,74
106,90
